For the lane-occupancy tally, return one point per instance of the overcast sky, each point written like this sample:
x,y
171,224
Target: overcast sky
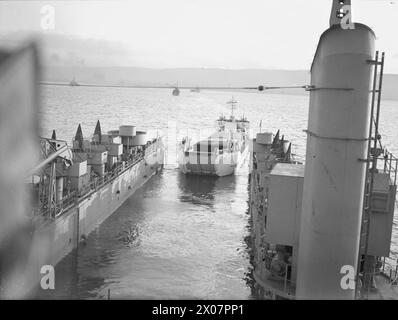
x,y
279,34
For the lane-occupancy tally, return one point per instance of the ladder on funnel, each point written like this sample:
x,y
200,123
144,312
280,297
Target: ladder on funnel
x,y
373,153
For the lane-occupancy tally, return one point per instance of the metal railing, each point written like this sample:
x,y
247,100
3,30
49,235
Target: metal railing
x,y
389,268
95,183
98,182
390,166
386,268
59,207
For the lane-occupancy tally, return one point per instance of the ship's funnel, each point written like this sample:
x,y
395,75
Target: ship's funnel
x,y
333,190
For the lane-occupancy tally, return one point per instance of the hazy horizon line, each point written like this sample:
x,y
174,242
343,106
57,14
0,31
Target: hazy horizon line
x,y
185,68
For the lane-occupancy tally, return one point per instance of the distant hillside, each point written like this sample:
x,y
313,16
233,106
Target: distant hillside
x,y
194,77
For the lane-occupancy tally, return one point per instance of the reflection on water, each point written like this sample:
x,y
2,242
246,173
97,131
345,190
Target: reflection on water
x,y
200,190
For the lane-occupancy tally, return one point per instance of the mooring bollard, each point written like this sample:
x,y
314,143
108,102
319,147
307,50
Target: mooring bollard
x,y
109,294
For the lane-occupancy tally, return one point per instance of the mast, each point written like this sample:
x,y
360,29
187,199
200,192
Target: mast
x,y
340,9
232,102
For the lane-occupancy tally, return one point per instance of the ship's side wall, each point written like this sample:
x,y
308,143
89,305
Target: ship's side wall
x,y
64,234
98,206
334,176
262,159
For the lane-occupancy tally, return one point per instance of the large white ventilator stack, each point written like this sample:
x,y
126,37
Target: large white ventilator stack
x,y
333,191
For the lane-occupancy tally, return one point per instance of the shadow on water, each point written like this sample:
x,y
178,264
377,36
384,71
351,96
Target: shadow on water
x,y
248,240
202,190
71,282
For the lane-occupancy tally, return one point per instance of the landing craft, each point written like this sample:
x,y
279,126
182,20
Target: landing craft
x,y
222,152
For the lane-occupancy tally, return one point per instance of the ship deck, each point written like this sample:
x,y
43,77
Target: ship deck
x,y
275,287
385,290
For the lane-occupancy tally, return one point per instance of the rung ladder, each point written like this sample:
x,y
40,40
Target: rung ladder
x,y
371,166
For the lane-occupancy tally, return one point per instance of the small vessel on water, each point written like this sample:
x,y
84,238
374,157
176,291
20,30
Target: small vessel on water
x,y
197,89
221,153
176,91
74,83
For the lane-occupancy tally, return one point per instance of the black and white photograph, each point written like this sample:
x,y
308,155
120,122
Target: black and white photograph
x,y
216,152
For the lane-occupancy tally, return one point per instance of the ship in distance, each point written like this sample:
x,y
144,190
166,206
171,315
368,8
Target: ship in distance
x,y
222,152
176,91
74,83
197,89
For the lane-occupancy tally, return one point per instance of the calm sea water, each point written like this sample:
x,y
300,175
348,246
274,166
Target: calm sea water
x,y
178,236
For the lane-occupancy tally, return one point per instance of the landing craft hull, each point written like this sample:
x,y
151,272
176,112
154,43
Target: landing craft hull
x,y
223,165
220,170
